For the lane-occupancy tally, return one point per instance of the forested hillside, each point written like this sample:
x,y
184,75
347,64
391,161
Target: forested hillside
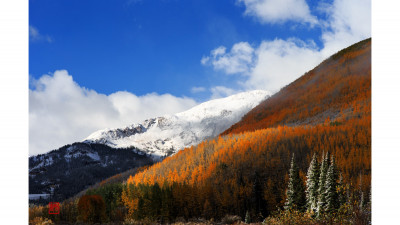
x,y
341,85
227,175
246,168
64,172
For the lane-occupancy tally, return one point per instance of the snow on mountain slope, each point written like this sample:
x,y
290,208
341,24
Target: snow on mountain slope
x,y
167,134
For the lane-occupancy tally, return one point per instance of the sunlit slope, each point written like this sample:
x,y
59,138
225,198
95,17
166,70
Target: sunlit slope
x,y
340,84
326,110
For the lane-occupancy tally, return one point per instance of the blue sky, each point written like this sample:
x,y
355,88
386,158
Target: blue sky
x,y
98,64
144,46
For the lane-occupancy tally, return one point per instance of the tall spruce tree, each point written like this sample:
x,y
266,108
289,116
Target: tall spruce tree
x,y
321,183
295,196
312,184
361,193
362,201
331,194
247,219
341,191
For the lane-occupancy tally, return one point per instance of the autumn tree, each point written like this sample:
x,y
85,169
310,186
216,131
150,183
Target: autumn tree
x,y
92,209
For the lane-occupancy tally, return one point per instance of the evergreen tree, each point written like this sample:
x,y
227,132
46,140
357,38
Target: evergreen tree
x,y
295,197
207,209
247,218
257,200
155,200
341,191
361,201
331,195
361,193
312,184
321,183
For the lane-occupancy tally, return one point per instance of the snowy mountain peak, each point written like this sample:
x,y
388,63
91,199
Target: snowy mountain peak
x,y
167,134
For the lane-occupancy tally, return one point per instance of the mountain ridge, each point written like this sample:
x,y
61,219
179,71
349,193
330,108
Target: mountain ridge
x,y
167,134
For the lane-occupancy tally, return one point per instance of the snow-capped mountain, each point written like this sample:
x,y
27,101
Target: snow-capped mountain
x,y
167,134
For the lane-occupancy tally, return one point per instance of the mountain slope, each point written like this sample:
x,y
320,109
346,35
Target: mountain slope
x,y
167,134
71,168
245,169
340,84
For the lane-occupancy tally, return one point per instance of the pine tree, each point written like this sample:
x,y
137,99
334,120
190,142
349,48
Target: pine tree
x,y
331,195
257,203
341,191
361,193
312,184
361,206
295,198
247,218
321,183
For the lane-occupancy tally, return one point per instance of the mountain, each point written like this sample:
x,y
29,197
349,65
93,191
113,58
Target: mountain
x,y
167,134
339,85
64,172
245,169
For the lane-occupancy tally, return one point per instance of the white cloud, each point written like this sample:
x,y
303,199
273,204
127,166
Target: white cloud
x,y
195,90
281,61
35,36
205,60
349,22
221,92
62,112
238,60
279,11
275,63
218,51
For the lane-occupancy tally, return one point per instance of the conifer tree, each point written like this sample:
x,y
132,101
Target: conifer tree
x,y
312,184
341,191
331,195
361,206
247,218
361,193
321,183
295,197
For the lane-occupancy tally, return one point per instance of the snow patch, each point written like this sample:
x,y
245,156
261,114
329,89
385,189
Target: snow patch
x,y
45,161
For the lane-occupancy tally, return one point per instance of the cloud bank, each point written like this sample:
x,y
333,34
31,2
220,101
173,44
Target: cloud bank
x,y
62,112
275,63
